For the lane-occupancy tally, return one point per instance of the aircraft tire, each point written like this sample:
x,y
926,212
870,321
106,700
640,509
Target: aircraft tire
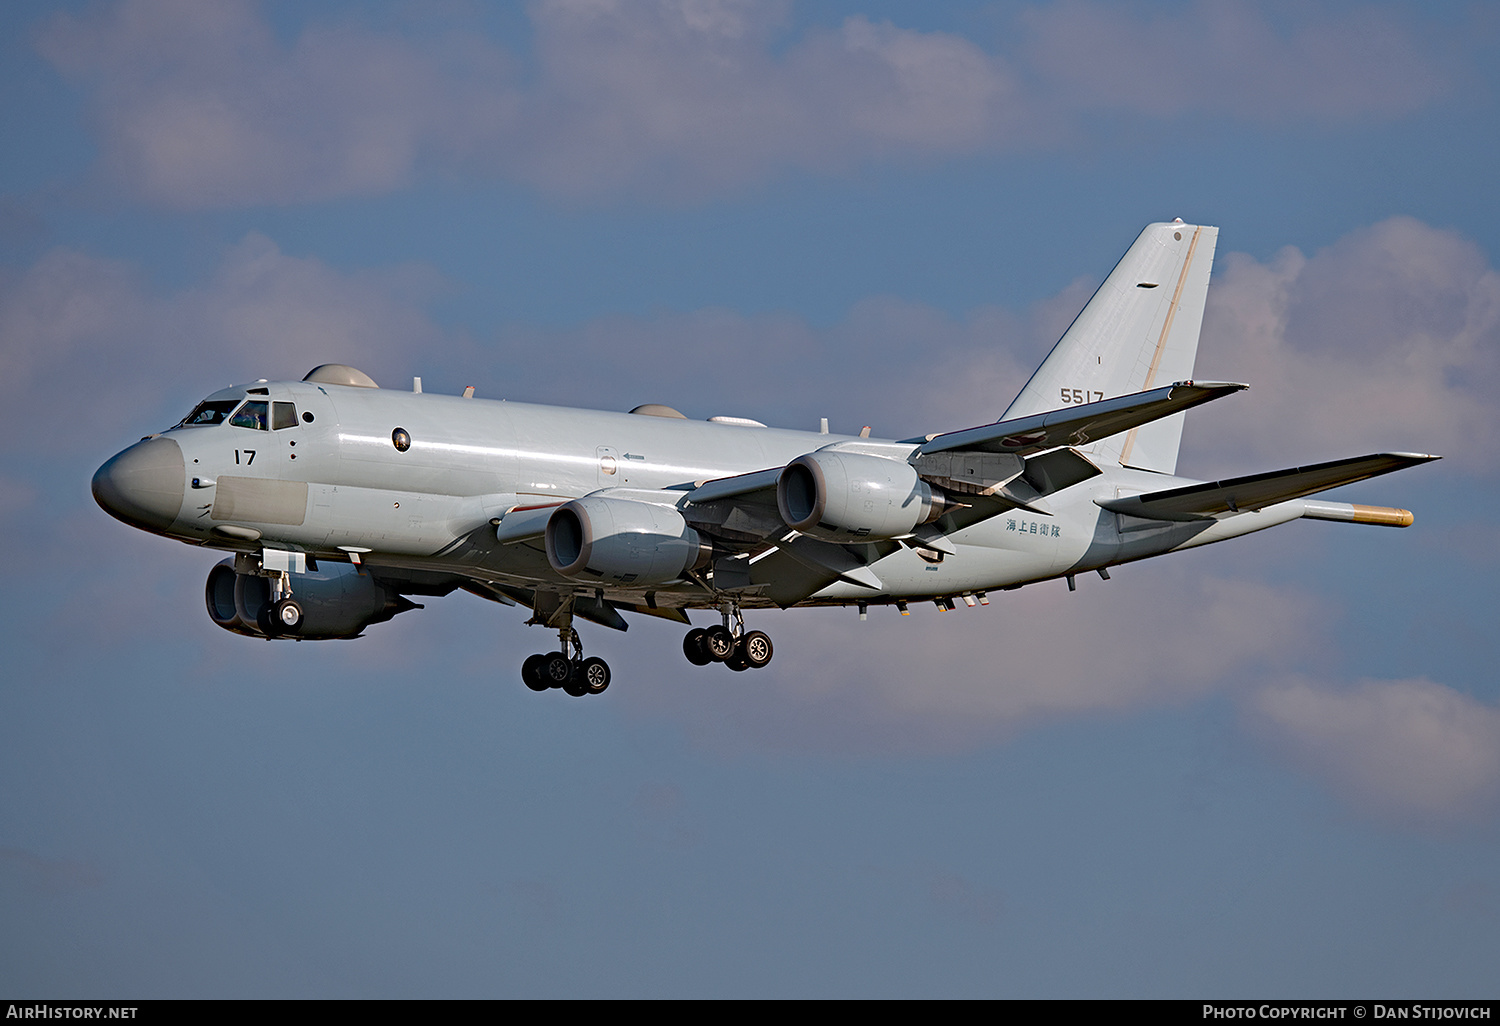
x,y
594,674
287,616
756,648
576,686
531,673
737,662
557,670
693,648
718,643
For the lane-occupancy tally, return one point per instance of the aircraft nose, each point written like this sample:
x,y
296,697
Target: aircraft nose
x,y
143,485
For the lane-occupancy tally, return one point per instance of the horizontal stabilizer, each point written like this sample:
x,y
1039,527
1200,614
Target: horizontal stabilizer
x,y
1079,425
1205,501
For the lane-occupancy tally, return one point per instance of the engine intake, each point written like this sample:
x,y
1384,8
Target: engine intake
x,y
846,497
337,602
621,541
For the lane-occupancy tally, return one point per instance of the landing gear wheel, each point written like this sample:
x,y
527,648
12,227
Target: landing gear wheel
x,y
557,670
576,685
594,675
694,649
286,615
718,643
756,648
531,673
737,662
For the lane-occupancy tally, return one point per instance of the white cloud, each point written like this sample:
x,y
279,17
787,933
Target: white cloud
x,y
201,104
643,96
1401,312
93,324
1387,340
1402,750
1159,633
904,368
1231,58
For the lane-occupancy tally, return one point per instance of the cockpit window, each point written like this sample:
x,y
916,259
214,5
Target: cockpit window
x,y
206,414
252,415
283,415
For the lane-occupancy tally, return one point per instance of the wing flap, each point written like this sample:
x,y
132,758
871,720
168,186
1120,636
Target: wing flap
x,y
831,559
1213,498
1082,424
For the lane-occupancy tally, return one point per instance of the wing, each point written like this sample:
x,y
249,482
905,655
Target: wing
x,y
774,562
983,471
1079,425
1215,498
779,564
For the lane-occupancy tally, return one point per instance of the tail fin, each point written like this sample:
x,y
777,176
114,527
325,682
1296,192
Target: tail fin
x,y
1138,332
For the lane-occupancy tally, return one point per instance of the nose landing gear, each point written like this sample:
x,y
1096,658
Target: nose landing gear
x,y
282,615
573,673
731,645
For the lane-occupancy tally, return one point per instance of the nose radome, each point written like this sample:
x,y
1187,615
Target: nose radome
x,y
143,485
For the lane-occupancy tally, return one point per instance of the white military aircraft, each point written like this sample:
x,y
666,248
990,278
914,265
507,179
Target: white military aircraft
x,y
338,499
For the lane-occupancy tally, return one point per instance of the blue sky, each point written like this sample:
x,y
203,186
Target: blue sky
x,y
1269,767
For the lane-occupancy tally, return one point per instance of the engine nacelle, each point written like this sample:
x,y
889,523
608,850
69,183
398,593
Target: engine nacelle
x,y
621,541
337,602
849,496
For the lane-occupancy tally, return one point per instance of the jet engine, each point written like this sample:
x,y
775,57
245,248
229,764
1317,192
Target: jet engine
x,y
621,541
335,601
847,496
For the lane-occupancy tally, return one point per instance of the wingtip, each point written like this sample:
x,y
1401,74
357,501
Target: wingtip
x,y
1217,386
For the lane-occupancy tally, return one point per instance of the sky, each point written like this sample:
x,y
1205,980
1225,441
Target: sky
x,y
1265,768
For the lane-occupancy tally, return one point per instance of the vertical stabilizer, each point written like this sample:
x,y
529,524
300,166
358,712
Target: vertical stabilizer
x,y
1139,331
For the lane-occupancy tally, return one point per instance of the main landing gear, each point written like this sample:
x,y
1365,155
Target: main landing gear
x,y
573,673
733,646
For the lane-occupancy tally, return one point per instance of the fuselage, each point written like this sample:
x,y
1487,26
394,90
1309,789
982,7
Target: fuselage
x,y
418,481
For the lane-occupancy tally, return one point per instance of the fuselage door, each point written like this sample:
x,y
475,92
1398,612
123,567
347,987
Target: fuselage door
x,y
609,467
